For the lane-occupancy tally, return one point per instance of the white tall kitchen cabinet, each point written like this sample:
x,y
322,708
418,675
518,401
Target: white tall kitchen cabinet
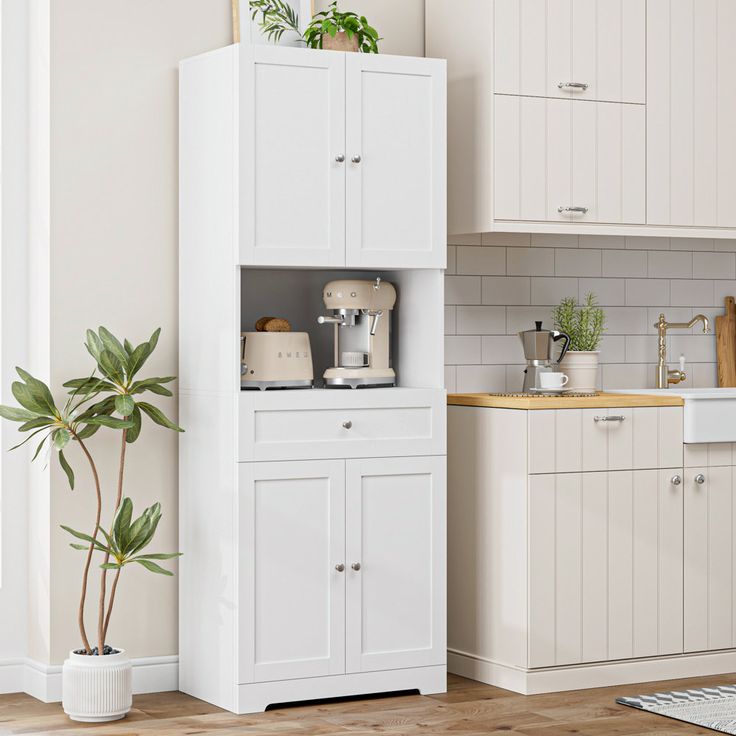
x,y
312,522
589,116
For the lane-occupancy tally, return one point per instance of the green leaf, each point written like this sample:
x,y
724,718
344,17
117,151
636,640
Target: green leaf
x,y
85,537
40,392
40,446
89,385
28,439
36,423
111,366
113,345
153,340
87,431
158,556
121,524
83,547
158,416
61,438
124,405
67,469
133,433
153,567
15,414
156,388
94,345
139,357
28,399
110,566
110,422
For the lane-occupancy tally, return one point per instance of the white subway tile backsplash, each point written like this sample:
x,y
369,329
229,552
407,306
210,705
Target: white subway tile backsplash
x,y
714,265
506,290
462,289
645,292
481,379
580,262
497,285
481,320
691,293
554,240
550,290
462,349
530,261
619,263
489,261
501,350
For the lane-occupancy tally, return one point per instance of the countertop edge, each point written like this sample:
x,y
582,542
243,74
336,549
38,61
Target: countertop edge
x,y
601,401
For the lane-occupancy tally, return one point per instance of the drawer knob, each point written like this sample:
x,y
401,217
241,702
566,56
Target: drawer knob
x,y
340,158
355,566
356,159
347,425
610,418
675,480
340,567
700,479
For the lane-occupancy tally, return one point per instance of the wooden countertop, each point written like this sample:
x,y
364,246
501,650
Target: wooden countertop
x,y
600,401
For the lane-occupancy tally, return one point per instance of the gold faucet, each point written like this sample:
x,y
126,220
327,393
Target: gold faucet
x,y
665,376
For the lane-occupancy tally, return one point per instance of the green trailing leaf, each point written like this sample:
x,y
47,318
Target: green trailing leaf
x,y
17,415
67,469
158,416
124,405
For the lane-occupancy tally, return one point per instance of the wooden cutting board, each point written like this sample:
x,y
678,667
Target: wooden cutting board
x,y
726,344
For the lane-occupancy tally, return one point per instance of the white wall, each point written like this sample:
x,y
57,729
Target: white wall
x,y
113,252
499,284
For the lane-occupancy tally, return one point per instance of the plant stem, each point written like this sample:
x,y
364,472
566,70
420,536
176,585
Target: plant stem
x,y
88,561
103,621
111,603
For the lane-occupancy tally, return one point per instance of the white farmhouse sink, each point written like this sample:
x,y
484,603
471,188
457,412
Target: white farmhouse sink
x,y
710,413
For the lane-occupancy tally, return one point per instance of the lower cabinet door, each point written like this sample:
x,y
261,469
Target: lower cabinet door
x,y
605,566
396,551
292,570
710,613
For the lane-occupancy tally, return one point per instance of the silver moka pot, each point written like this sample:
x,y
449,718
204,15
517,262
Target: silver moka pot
x,y
539,347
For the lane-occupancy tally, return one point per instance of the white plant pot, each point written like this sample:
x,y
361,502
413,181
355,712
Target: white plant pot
x,y
581,367
97,689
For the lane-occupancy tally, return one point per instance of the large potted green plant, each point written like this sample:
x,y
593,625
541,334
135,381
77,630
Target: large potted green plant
x,y
97,677
585,324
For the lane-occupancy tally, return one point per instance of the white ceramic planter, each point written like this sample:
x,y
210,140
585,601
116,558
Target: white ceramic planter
x,y
581,367
97,689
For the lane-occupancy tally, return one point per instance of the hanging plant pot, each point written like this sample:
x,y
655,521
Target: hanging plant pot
x,y
97,689
340,42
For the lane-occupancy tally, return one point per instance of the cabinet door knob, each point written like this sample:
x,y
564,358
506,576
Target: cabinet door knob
x,y
700,479
356,159
573,210
347,425
573,85
355,566
675,480
340,158
340,567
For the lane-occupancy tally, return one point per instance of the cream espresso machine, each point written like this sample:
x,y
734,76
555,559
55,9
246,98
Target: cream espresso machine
x,y
361,315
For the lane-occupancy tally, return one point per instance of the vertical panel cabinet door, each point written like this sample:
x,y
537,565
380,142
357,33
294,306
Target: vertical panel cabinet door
x,y
709,559
395,588
291,590
691,113
586,49
396,161
605,566
292,156
569,161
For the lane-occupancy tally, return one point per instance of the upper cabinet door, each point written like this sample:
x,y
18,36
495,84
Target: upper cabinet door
x,y
395,566
587,49
691,113
292,157
396,162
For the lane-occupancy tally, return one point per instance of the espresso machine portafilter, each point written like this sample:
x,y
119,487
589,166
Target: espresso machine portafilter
x,y
361,316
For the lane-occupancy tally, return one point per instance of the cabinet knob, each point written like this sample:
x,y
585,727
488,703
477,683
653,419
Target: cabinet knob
x,y
347,425
355,566
356,159
340,567
340,158
573,210
573,85
700,479
675,480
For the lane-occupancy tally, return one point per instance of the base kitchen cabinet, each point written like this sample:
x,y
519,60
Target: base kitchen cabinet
x,y
587,546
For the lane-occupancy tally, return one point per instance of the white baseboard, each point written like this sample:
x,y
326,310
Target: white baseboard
x,y
580,677
43,681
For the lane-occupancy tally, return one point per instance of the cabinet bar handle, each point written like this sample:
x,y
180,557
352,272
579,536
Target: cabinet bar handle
x,y
573,210
612,418
573,85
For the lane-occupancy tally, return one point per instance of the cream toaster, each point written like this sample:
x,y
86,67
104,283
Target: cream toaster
x,y
275,360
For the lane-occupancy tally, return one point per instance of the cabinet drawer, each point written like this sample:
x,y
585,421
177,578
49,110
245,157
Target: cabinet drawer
x,y
575,440
299,425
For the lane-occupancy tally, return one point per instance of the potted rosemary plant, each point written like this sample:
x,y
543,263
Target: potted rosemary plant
x,y
97,677
585,324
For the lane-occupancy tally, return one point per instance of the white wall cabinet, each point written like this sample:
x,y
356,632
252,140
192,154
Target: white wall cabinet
x,y
342,159
583,49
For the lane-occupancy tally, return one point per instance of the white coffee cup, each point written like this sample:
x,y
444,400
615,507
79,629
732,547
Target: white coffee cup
x,y
552,381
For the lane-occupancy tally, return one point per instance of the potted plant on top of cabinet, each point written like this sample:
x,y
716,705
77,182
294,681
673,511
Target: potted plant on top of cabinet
x,y
97,682
585,324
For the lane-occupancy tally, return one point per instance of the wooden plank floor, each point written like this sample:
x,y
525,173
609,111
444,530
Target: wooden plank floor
x,y
467,709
